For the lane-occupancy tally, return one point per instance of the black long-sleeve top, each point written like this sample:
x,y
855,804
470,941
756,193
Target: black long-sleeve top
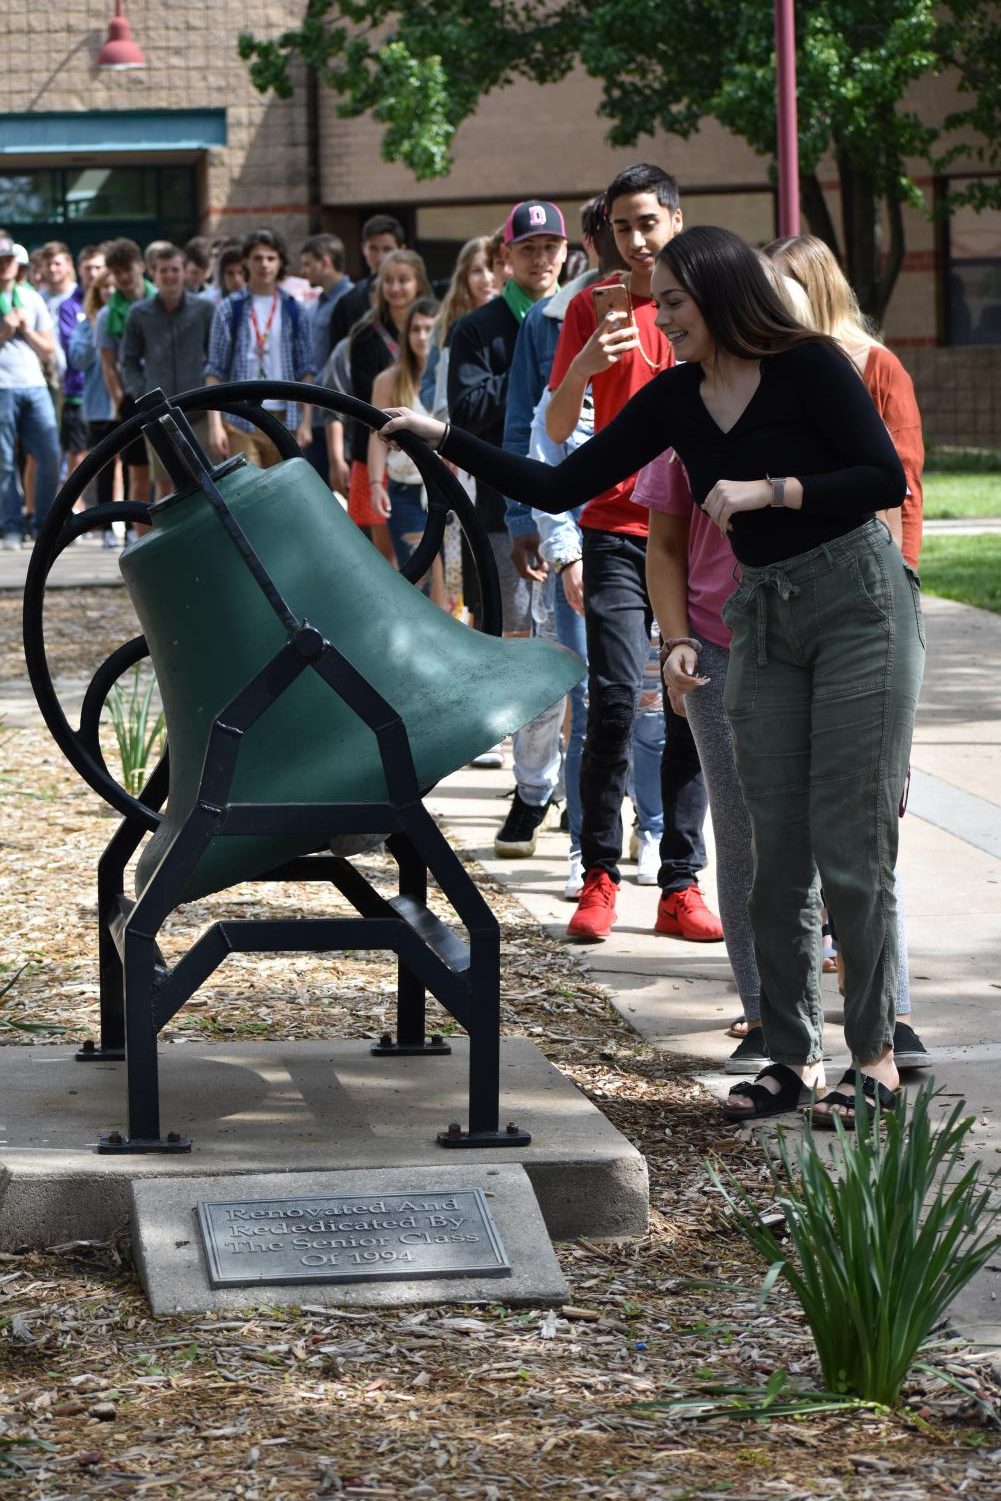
x,y
810,418
481,349
370,355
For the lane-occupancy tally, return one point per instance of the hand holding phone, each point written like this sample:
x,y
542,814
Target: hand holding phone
x,y
611,339
612,298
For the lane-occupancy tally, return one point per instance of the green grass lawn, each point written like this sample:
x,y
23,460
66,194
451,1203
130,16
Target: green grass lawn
x,y
951,496
964,568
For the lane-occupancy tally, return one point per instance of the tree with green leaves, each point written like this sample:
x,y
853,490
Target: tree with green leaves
x,y
421,67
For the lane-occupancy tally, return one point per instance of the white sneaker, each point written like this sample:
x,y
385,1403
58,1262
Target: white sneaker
x,y
647,860
11,543
491,758
575,879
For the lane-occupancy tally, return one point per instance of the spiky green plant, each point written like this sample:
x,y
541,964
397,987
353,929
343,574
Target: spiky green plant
x,y
881,1237
18,1026
138,734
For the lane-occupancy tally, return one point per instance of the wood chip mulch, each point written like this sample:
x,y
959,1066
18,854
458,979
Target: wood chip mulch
x,y
98,1399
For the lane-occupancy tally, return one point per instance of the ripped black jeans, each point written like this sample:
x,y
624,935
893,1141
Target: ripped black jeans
x,y
618,617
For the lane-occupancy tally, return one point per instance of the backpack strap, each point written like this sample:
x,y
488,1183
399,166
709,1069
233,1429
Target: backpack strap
x,y
239,304
238,307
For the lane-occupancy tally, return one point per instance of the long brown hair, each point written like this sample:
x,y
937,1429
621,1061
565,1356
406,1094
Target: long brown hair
x,y
405,373
812,263
379,312
458,300
743,312
93,302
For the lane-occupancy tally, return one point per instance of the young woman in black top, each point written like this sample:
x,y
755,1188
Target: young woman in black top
x,y
374,345
787,455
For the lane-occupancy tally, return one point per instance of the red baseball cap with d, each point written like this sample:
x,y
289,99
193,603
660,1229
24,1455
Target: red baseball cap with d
x,y
533,217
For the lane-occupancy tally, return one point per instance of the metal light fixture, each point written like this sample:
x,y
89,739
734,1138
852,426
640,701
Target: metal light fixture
x,y
120,50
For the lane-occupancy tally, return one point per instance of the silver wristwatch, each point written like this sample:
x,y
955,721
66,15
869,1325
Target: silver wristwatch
x,y
778,492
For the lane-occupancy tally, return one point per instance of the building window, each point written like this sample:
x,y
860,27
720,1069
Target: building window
x,y
973,273
82,204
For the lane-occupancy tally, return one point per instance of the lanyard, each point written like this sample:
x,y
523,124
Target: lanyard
x,y
261,338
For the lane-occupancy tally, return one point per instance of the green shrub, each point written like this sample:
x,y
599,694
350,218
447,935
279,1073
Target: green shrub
x,y
140,741
880,1239
945,458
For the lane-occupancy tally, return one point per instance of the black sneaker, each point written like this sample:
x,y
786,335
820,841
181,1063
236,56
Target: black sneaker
x,y
515,840
750,1055
908,1049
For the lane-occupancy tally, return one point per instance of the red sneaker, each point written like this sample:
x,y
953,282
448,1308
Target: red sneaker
x,y
684,914
595,915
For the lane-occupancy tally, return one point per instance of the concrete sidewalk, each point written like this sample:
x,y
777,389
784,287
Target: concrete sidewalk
x,y
87,563
681,996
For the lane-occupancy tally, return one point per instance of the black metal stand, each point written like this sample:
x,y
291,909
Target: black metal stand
x,y
139,992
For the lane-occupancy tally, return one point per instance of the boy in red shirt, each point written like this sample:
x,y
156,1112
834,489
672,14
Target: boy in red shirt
x,y
616,358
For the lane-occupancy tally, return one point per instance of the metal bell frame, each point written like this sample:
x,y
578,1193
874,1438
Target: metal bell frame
x,y
139,991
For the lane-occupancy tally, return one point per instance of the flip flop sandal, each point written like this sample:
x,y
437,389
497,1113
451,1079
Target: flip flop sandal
x,y
792,1094
737,1028
872,1090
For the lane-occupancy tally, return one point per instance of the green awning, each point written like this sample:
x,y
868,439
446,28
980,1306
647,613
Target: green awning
x,y
72,132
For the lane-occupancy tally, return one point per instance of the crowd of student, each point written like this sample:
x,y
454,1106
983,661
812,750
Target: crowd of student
x,y
631,563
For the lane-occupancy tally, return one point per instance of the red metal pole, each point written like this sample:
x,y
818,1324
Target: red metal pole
x,y
788,135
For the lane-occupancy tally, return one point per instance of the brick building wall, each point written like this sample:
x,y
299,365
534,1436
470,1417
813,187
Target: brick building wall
x,y
522,140
47,63
959,393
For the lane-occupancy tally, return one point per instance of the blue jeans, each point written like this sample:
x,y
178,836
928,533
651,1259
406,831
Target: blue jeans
x,y
27,414
570,632
407,521
538,758
618,622
648,753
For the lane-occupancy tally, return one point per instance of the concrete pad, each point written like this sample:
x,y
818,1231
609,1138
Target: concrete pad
x,y
172,1265
295,1107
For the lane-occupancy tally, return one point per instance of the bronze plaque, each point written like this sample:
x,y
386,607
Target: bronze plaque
x,y
359,1238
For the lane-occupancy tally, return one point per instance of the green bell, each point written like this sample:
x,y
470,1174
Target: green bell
x,y
210,630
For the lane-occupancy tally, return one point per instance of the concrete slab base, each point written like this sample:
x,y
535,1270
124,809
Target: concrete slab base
x,y
171,1261
295,1107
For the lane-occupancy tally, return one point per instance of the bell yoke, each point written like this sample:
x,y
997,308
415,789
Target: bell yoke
x,y
312,697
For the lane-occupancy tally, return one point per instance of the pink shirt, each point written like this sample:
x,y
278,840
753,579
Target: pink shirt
x,y
712,568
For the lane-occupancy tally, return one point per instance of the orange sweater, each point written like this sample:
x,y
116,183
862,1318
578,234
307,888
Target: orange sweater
x,y
892,390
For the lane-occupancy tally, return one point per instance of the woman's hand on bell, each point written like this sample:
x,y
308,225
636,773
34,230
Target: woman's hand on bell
x,y
403,420
728,497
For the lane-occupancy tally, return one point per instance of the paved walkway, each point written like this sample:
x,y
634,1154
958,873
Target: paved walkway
x,y
681,996
87,562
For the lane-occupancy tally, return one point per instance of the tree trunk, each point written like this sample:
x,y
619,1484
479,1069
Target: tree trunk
x,y
859,206
818,215
894,258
